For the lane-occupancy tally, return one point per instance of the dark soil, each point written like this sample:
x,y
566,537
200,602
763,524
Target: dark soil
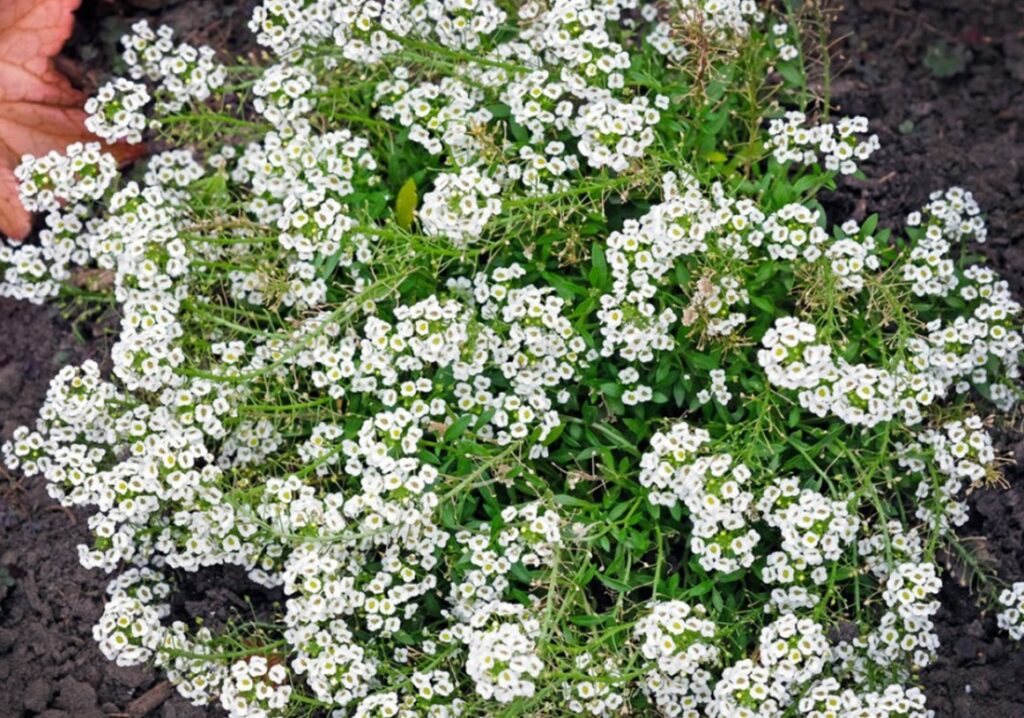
x,y
936,132
966,130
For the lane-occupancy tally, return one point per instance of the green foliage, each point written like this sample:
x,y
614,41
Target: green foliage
x,y
944,60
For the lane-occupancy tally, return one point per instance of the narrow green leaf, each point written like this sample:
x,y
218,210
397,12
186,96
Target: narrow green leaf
x,y
458,427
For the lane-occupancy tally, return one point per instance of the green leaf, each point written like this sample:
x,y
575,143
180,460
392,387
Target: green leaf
x,y
212,189
458,427
618,511
766,270
599,267
612,389
944,60
678,394
703,361
563,286
587,453
869,225
794,417
620,441
700,589
326,269
405,204
615,584
763,304
792,74
566,500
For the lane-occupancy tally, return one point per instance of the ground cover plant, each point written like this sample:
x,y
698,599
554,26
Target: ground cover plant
x,y
512,343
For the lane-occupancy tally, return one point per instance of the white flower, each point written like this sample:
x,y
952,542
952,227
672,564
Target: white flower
x,y
460,205
835,145
114,111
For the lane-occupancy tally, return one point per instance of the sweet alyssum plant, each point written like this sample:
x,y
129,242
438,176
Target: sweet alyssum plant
x,y
511,343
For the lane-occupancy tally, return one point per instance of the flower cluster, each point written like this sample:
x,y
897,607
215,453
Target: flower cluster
x,y
719,390
115,111
438,115
792,653
610,133
888,545
814,531
680,642
182,72
255,688
948,219
852,256
597,695
459,24
460,206
300,183
792,360
129,630
712,304
905,632
528,538
836,145
712,487
826,698
502,658
283,94
859,394
1011,618
80,174
640,255
948,460
910,590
